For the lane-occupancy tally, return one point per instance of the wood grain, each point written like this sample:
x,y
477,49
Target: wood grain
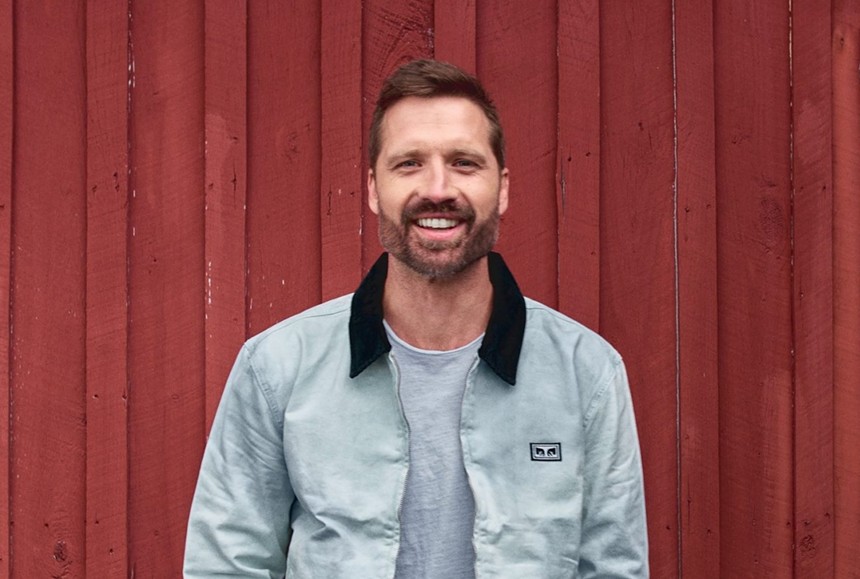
x,y
812,198
846,272
107,289
283,219
578,161
7,89
517,78
226,171
47,324
166,281
455,30
341,208
637,244
753,156
696,271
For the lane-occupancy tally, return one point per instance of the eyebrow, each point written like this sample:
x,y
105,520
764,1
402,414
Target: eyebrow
x,y
469,153
418,153
404,154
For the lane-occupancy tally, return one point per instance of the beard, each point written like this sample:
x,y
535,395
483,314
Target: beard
x,y
438,259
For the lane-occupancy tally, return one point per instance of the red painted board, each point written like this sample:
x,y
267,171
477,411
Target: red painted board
x,y
48,432
517,64
342,142
753,155
226,189
578,161
637,244
846,273
393,33
166,281
6,124
283,223
107,289
696,241
813,289
454,33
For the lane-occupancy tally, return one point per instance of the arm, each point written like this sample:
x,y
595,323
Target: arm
x,y
240,517
614,534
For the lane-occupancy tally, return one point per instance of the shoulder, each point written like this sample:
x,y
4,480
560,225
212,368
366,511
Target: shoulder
x,y
313,336
546,324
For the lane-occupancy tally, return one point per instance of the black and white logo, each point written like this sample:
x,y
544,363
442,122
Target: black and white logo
x,y
546,451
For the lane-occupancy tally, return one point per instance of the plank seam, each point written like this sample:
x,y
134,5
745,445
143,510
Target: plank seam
x,y
793,277
129,226
677,282
9,109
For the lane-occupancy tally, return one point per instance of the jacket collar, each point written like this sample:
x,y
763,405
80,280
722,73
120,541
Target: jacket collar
x,y
502,342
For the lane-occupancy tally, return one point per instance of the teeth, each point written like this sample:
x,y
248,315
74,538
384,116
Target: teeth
x,y
436,223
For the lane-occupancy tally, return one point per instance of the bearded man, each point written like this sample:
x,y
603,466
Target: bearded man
x,y
435,423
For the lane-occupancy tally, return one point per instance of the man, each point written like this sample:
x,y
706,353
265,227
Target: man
x,y
435,424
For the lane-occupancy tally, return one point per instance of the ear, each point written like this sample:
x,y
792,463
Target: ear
x,y
503,191
372,195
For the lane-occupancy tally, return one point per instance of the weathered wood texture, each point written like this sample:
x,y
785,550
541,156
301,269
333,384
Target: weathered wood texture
x,y
637,258
696,292
341,152
6,124
578,161
166,274
47,313
226,190
846,282
107,450
176,177
812,198
754,275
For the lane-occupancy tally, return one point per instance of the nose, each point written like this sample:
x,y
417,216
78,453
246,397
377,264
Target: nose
x,y
438,185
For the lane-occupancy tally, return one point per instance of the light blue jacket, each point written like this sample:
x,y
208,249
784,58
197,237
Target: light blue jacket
x,y
306,462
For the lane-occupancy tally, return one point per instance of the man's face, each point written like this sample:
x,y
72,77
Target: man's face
x,y
437,187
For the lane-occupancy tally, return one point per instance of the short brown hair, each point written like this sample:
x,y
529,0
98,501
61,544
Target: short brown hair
x,y
427,79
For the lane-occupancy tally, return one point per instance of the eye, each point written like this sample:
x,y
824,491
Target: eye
x,y
408,164
466,163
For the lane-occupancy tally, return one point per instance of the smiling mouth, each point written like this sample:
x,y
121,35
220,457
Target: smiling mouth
x,y
436,223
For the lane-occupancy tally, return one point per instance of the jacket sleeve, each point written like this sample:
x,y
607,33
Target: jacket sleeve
x,y
240,516
614,533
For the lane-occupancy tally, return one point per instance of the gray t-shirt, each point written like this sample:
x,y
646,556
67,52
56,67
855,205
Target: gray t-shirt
x,y
438,511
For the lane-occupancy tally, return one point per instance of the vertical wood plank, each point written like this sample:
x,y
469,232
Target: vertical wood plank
x,y
394,33
48,383
578,161
517,45
846,252
813,289
6,128
755,287
637,255
696,242
226,180
107,289
455,28
283,218
341,210
166,277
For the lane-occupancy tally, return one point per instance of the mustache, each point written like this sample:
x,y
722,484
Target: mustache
x,y
450,207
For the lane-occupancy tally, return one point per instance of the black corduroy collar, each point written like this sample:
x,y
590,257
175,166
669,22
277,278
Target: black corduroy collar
x,y
503,338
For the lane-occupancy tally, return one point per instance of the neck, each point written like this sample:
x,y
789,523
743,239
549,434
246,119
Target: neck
x,y
434,313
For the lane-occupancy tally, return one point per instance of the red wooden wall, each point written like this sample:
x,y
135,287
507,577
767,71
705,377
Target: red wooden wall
x,y
176,176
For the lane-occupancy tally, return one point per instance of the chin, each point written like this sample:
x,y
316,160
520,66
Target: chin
x,y
443,268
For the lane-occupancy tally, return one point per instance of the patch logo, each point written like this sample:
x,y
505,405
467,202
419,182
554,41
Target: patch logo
x,y
546,451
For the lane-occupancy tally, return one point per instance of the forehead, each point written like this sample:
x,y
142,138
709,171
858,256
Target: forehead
x,y
416,121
